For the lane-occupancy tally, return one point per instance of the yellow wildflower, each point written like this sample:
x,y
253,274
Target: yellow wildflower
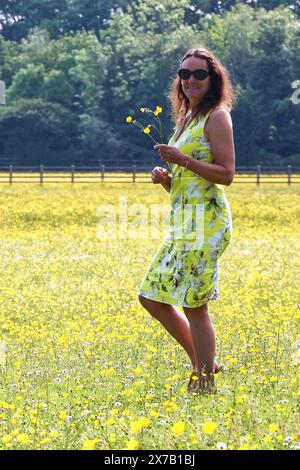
x,y
89,444
136,426
133,444
112,437
147,130
279,407
193,438
244,447
23,438
129,119
273,427
45,440
7,438
209,427
178,428
110,421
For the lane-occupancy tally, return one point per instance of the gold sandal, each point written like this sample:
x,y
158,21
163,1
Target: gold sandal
x,y
193,385
220,368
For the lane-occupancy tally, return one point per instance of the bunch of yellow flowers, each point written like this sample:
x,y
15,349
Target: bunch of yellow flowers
x,y
147,129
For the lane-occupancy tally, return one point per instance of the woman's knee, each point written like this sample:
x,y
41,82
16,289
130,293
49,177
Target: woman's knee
x,y
153,307
146,303
142,300
196,312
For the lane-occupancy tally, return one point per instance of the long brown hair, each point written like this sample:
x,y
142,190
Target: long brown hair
x,y
219,93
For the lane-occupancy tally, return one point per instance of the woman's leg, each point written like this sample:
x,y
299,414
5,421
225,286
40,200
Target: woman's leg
x,y
204,345
174,321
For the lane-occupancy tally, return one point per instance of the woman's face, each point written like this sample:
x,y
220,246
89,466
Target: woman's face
x,y
195,89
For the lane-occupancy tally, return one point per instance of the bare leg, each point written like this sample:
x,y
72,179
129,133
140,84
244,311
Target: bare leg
x,y
204,345
174,321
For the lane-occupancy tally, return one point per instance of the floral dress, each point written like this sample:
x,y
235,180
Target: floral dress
x,y
184,269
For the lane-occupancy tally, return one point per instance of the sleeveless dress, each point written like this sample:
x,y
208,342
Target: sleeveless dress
x,y
184,270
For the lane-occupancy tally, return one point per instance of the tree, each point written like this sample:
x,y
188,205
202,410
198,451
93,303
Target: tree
x,y
143,46
255,46
34,132
102,78
70,72
199,8
58,17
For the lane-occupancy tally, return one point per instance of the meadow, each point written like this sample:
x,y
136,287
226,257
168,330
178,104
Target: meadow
x,y
84,366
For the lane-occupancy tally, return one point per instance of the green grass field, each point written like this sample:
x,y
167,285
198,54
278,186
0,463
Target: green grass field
x,y
84,366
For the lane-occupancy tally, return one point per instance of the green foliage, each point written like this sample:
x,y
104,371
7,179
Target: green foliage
x,y
85,362
144,63
256,45
201,7
61,17
58,17
37,132
100,61
27,83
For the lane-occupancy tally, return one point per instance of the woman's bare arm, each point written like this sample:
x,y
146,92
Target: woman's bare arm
x,y
220,135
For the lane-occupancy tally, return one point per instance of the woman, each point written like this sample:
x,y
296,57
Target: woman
x,y
201,157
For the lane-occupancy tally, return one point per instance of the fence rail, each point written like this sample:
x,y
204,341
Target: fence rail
x,y
134,173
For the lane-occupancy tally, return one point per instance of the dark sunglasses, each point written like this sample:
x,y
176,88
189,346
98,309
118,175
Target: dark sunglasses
x,y
199,74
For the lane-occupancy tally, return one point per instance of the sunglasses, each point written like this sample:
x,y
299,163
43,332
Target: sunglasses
x,y
199,74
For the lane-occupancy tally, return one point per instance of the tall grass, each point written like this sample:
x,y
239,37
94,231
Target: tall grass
x,y
82,364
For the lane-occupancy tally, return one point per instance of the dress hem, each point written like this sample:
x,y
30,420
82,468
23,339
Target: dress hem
x,y
176,304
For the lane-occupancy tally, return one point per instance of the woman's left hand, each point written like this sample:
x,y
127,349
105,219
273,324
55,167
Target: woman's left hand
x,y
170,153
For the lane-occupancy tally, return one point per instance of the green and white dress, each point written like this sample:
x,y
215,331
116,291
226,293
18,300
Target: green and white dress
x,y
184,270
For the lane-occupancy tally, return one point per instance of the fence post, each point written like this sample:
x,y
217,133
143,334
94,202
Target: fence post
x,y
10,174
134,173
102,172
289,174
258,169
72,173
41,173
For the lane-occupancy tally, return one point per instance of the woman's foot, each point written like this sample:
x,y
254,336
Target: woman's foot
x,y
218,368
193,385
207,388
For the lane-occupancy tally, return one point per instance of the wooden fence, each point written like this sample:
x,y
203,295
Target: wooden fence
x,y
134,173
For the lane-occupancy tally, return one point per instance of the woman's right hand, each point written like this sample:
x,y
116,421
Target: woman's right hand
x,y
159,175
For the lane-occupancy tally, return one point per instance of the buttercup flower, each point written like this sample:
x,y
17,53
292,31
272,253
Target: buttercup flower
x,y
273,427
178,428
157,110
136,426
23,438
147,129
209,427
132,444
89,444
